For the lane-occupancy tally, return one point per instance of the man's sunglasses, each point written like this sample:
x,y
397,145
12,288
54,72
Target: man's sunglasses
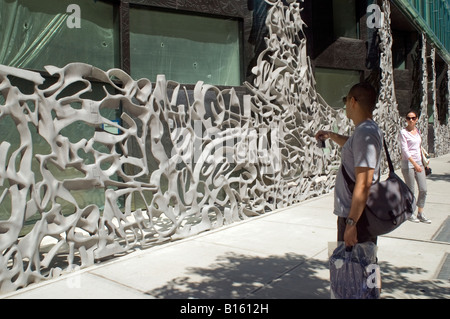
x,y
344,99
411,118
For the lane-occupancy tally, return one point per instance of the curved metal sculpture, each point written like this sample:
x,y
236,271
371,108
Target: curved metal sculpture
x,y
193,160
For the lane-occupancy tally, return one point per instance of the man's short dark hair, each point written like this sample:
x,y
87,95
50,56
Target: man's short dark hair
x,y
365,94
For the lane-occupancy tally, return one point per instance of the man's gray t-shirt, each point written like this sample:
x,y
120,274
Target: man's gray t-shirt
x,y
362,149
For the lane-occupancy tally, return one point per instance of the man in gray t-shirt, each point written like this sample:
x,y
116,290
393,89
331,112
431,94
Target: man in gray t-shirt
x,y
361,155
362,149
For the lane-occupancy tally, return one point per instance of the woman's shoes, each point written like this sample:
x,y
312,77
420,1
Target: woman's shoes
x,y
423,219
419,219
414,219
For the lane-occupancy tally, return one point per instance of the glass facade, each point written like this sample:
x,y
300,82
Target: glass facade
x,y
433,17
334,84
39,33
186,48
345,23
399,49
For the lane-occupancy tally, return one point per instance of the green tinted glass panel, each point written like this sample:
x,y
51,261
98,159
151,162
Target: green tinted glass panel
x,y
344,19
186,48
34,34
334,84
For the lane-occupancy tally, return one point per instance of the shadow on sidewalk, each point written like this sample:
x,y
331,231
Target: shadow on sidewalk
x,y
395,282
288,276
236,276
439,177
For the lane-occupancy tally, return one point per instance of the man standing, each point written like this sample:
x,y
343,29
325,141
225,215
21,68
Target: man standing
x,y
361,155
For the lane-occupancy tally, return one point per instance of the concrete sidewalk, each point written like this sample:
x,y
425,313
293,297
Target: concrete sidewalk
x,y
282,254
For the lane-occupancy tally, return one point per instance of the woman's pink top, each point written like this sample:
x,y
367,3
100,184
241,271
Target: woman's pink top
x,y
410,145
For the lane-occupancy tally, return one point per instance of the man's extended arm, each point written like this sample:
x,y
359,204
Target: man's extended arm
x,y
337,138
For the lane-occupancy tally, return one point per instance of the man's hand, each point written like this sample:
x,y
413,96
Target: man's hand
x,y
350,236
337,138
322,135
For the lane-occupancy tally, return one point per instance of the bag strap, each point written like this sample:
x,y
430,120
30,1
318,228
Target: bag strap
x,y
388,157
351,183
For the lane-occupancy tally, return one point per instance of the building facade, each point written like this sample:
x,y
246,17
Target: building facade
x,y
133,123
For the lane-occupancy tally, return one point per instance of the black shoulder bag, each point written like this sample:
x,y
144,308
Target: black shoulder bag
x,y
389,204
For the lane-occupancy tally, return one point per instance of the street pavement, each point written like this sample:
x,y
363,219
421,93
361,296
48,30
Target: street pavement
x,y
279,255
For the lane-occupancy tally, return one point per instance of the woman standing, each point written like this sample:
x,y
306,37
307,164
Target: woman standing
x,y
412,167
